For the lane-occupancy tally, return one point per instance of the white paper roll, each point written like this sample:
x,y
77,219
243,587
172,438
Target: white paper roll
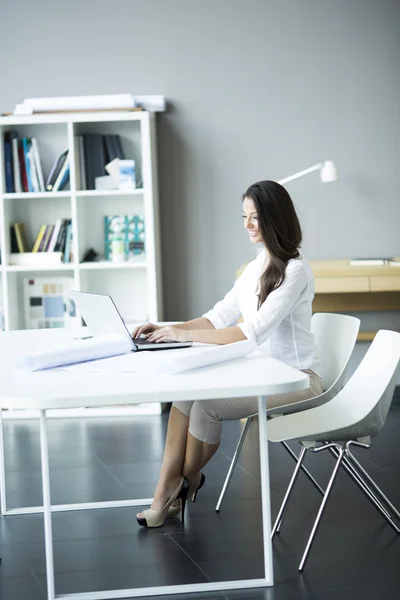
x,y
76,352
108,101
203,357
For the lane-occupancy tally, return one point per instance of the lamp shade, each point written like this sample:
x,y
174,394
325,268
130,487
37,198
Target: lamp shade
x,y
328,172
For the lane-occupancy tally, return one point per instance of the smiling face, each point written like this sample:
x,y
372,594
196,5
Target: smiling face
x,y
250,221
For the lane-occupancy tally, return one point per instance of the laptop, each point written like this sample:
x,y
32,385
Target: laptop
x,y
102,317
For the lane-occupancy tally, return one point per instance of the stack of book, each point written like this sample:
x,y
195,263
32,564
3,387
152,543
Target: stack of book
x,y
52,246
22,164
95,151
23,168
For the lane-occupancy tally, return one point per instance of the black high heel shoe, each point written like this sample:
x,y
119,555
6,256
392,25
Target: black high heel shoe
x,y
174,511
192,494
156,518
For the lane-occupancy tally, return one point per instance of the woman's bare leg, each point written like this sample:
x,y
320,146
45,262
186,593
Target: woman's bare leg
x,y
197,455
174,457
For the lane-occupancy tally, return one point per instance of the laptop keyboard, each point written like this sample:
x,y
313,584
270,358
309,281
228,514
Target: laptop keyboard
x,y
144,342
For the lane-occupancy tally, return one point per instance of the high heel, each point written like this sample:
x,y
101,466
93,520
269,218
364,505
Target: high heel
x,y
156,518
174,511
192,494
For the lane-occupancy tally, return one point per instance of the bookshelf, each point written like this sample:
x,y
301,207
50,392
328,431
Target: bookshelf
x,y
134,285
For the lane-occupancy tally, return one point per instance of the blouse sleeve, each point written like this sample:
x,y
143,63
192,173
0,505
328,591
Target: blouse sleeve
x,y
277,306
226,312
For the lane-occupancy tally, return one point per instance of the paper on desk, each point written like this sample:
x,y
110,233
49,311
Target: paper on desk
x,y
168,361
77,351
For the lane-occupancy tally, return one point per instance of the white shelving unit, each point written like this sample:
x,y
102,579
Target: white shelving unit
x,y
135,286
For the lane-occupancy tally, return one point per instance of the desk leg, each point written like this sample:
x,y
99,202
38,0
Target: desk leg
x,y
265,488
48,536
3,501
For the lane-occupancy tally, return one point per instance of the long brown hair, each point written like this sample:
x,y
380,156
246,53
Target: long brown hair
x,y
280,230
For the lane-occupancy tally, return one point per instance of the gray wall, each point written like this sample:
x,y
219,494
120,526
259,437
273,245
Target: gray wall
x,y
258,89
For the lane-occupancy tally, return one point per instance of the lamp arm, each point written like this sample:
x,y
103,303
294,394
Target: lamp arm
x,y
301,173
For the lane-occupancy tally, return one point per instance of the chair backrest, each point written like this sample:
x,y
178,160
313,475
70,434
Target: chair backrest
x,y
359,410
335,336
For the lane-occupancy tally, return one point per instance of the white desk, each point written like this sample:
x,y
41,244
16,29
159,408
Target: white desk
x,y
255,375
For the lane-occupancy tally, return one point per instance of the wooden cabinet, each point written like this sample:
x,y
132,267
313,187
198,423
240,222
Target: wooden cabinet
x,y
341,287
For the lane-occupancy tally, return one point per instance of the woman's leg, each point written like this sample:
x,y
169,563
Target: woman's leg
x,y
174,456
197,455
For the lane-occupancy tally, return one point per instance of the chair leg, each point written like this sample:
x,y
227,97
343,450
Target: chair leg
x,y
233,463
282,510
324,501
303,468
359,481
363,473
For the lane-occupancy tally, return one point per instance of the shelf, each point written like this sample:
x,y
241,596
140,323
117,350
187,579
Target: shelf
x,y
32,195
89,266
96,193
30,268
112,265
134,285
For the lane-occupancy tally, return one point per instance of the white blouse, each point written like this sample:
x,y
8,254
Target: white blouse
x,y
282,325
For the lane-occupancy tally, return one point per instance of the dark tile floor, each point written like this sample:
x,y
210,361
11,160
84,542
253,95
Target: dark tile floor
x,y
356,555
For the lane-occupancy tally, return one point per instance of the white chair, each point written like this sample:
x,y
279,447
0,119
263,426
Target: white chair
x,y
352,417
335,337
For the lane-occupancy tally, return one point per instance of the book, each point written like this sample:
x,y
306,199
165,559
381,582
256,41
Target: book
x,y
24,177
32,170
55,170
13,240
118,147
47,237
38,166
44,239
62,177
16,165
8,161
68,239
22,240
54,236
47,259
26,146
39,238
81,162
59,242
95,158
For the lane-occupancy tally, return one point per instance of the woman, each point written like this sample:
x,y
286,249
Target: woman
x,y
273,296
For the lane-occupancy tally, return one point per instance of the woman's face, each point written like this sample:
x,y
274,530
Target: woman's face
x,y
250,220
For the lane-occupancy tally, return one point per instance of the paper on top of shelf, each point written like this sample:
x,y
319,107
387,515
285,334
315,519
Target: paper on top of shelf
x,y
107,101
77,351
168,362
152,103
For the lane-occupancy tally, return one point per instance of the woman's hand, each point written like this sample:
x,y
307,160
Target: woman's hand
x,y
170,334
145,329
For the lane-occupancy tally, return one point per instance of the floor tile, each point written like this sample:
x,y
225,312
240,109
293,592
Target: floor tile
x,y
20,588
145,549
